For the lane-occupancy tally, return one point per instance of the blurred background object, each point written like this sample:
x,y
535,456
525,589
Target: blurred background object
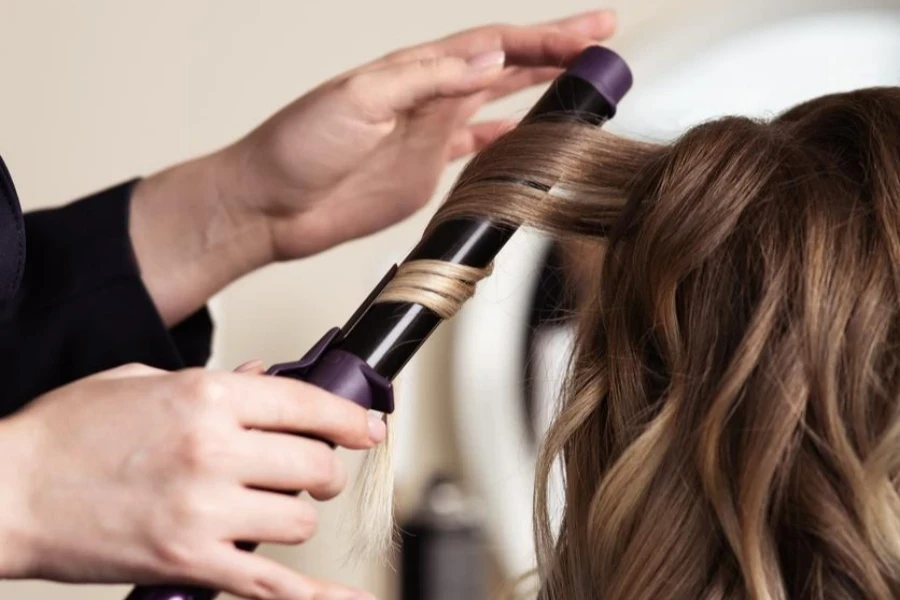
x,y
98,91
442,547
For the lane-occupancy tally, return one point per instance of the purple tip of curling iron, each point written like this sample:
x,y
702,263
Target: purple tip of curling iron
x,y
359,360
606,71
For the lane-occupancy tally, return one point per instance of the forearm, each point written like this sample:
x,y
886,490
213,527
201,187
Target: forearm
x,y
189,242
15,550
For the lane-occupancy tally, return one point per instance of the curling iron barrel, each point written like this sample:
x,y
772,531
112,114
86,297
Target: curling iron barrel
x,y
359,360
386,336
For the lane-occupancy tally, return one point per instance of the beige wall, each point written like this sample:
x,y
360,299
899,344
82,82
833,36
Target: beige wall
x,y
97,91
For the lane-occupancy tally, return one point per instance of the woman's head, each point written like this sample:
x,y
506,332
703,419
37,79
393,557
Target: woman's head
x,y
731,425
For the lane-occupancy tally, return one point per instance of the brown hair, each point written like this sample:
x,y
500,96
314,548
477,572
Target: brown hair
x,y
730,427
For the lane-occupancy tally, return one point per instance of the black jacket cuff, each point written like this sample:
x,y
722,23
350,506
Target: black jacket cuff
x,y
82,306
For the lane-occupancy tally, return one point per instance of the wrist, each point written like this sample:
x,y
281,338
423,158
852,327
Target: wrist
x,y
242,224
16,523
191,238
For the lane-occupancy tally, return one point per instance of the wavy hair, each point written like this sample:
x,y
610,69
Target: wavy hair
x,y
730,427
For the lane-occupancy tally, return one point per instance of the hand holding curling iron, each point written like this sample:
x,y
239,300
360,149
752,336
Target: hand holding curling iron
x,y
136,474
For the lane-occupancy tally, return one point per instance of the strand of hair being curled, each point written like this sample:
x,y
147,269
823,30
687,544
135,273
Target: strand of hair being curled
x,y
730,428
439,286
442,288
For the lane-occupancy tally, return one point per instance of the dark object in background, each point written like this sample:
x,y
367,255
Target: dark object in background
x,y
443,551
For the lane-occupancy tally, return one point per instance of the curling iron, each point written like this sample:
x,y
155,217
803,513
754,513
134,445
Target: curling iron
x,y
359,360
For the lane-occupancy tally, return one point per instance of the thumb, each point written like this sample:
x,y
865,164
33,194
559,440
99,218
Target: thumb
x,y
383,93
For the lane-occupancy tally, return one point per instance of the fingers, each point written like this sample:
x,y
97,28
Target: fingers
x,y
382,93
520,78
468,62
552,43
287,405
594,24
254,577
540,47
474,137
269,518
291,463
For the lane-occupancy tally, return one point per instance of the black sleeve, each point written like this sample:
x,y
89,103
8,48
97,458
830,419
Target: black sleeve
x,y
81,306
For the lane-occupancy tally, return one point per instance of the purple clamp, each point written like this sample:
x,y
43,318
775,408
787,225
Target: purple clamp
x,y
340,373
170,593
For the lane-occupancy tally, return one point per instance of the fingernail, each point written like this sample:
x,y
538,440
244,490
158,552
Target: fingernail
x,y
377,429
251,365
488,60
